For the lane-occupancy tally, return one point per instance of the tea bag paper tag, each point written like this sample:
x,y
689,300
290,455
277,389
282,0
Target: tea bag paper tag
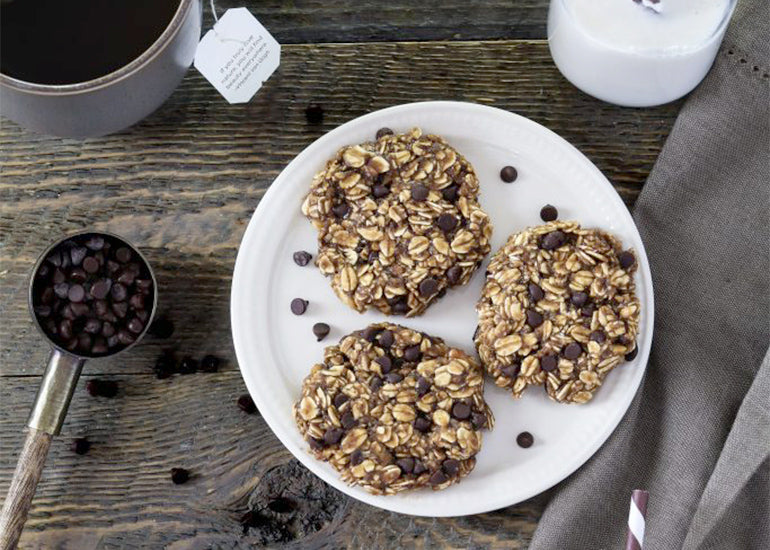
x,y
238,55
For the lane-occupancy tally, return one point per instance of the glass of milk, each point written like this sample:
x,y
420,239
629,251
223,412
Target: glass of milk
x,y
636,53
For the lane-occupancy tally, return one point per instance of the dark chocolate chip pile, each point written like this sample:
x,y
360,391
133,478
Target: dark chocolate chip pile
x,y
93,295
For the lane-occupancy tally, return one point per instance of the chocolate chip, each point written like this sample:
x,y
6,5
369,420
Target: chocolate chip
x,y
90,265
394,378
332,436
525,440
302,258
101,288
81,445
348,420
631,355
422,424
573,351
534,319
401,306
341,210
246,404
135,325
93,326
548,213
84,342
79,310
446,222
597,336
162,327
120,309
511,371
508,174
210,363
102,388
626,259
321,331
423,386
58,276
315,444
382,132
298,306
419,468
179,476
78,275
385,339
62,290
370,334
579,299
65,329
380,191
95,243
43,311
451,467
100,346
112,267
437,478
548,362
588,310
314,113
385,364
450,193
453,274
553,240
413,353
461,411
108,329
419,192
479,421
340,399
375,384
428,287
406,464
118,292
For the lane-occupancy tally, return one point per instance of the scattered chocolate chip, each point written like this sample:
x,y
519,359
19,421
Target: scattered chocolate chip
x,y
356,457
631,355
385,339
298,306
450,193
626,259
548,213
246,404
423,386
406,465
509,174
162,327
315,444
413,353
80,445
281,505
535,292
341,210
597,336
579,299
451,467
393,378
479,421
454,273
382,132
347,420
422,424
370,334
573,351
419,192
401,306
553,240
385,363
379,191
548,362
428,287
446,222
165,366
179,476
340,399
525,440
302,258
375,384
461,411
588,310
210,363
332,436
314,113
534,319
437,478
511,371
321,331
188,365
102,388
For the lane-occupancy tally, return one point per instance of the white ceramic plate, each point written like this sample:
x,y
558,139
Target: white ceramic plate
x,y
276,349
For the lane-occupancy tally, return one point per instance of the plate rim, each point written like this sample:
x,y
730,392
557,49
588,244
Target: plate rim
x,y
392,504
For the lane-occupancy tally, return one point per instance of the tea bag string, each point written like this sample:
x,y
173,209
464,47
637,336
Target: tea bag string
x,y
214,28
214,13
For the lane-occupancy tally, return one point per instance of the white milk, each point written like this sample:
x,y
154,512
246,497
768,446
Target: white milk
x,y
629,54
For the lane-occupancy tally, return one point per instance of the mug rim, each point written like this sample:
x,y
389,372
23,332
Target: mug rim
x,y
168,34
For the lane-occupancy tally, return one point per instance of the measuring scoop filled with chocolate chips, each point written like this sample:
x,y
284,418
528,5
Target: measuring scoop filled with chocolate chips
x,y
91,295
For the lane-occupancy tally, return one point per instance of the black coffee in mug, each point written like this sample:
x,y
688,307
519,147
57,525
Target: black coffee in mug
x,y
70,41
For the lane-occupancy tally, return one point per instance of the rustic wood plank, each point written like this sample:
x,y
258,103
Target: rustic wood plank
x,y
183,184
368,20
120,495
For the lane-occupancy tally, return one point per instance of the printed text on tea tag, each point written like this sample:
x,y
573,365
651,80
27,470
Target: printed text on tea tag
x,y
237,55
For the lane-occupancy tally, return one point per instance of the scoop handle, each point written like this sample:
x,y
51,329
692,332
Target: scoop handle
x,y
23,486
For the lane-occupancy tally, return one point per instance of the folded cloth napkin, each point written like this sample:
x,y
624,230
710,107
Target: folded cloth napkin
x,y
697,436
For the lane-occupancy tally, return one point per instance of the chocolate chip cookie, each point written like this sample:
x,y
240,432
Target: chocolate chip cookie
x,y
398,222
558,309
392,409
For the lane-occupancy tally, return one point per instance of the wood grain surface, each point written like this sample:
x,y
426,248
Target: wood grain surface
x,y
182,185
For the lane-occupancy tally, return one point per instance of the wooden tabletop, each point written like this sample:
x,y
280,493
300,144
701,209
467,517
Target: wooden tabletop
x,y
182,185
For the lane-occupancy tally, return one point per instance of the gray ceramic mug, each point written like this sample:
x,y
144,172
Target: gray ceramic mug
x,y
114,101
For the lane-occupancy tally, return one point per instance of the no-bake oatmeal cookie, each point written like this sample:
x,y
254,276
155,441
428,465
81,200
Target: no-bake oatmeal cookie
x,y
398,222
392,409
558,309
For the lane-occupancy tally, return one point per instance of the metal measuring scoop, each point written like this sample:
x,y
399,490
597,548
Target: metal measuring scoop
x,y
68,355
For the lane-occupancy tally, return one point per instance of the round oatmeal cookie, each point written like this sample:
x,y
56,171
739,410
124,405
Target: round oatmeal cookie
x,y
558,309
398,222
392,409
